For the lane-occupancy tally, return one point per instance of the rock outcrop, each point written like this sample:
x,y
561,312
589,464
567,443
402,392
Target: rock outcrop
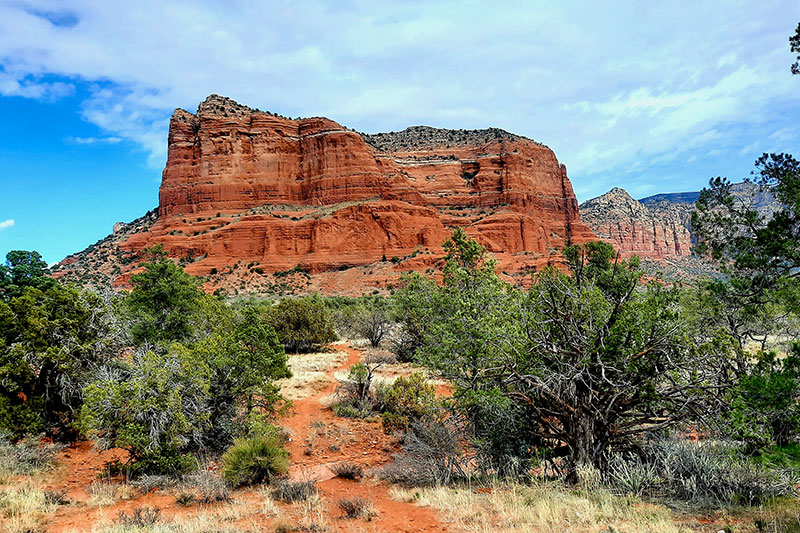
x,y
655,231
311,197
658,227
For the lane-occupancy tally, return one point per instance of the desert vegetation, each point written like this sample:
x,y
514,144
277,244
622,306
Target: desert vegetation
x,y
594,398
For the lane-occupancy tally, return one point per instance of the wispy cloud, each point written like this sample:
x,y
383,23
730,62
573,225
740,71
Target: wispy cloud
x,y
7,224
616,88
94,140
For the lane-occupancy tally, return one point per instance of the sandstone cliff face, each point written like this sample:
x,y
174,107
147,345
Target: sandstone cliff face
x,y
242,186
657,230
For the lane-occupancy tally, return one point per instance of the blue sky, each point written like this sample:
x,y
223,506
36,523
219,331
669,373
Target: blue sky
x,y
652,97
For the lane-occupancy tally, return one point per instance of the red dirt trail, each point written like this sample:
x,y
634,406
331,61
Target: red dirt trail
x,y
318,440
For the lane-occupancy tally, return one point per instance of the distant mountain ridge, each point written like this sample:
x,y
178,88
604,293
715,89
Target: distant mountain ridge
x,y
672,197
658,228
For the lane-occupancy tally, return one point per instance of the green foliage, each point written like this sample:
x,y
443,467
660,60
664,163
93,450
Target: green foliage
x,y
466,263
794,46
412,310
154,406
579,365
166,403
785,457
256,459
50,337
164,301
302,324
23,269
408,399
764,409
244,364
759,253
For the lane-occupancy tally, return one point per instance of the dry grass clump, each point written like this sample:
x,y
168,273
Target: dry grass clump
x,y
356,508
543,507
379,355
148,482
348,470
141,517
25,458
309,373
284,525
291,491
215,520
105,493
314,514
22,509
205,487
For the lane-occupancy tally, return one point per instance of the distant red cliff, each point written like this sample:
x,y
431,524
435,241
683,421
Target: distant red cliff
x,y
248,197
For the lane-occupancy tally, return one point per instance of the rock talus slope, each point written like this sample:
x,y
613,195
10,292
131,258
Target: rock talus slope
x,y
247,195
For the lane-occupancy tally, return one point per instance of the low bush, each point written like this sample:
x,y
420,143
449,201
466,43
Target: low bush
x,y
432,455
697,473
155,406
207,488
407,400
56,497
357,397
356,507
348,470
140,517
148,482
184,499
27,457
291,491
255,460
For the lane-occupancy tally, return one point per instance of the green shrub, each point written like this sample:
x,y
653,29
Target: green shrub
x,y
255,460
302,324
408,399
50,338
164,460
764,405
164,302
155,406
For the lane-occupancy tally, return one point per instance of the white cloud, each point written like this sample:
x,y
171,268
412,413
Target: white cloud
x,y
94,140
7,224
614,87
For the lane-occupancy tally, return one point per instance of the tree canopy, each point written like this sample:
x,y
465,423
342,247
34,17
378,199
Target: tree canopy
x,y
579,365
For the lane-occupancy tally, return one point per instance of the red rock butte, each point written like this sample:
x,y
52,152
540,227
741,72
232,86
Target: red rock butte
x,y
250,187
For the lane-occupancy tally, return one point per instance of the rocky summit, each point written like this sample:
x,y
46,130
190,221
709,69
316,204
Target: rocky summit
x,y
256,202
655,230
